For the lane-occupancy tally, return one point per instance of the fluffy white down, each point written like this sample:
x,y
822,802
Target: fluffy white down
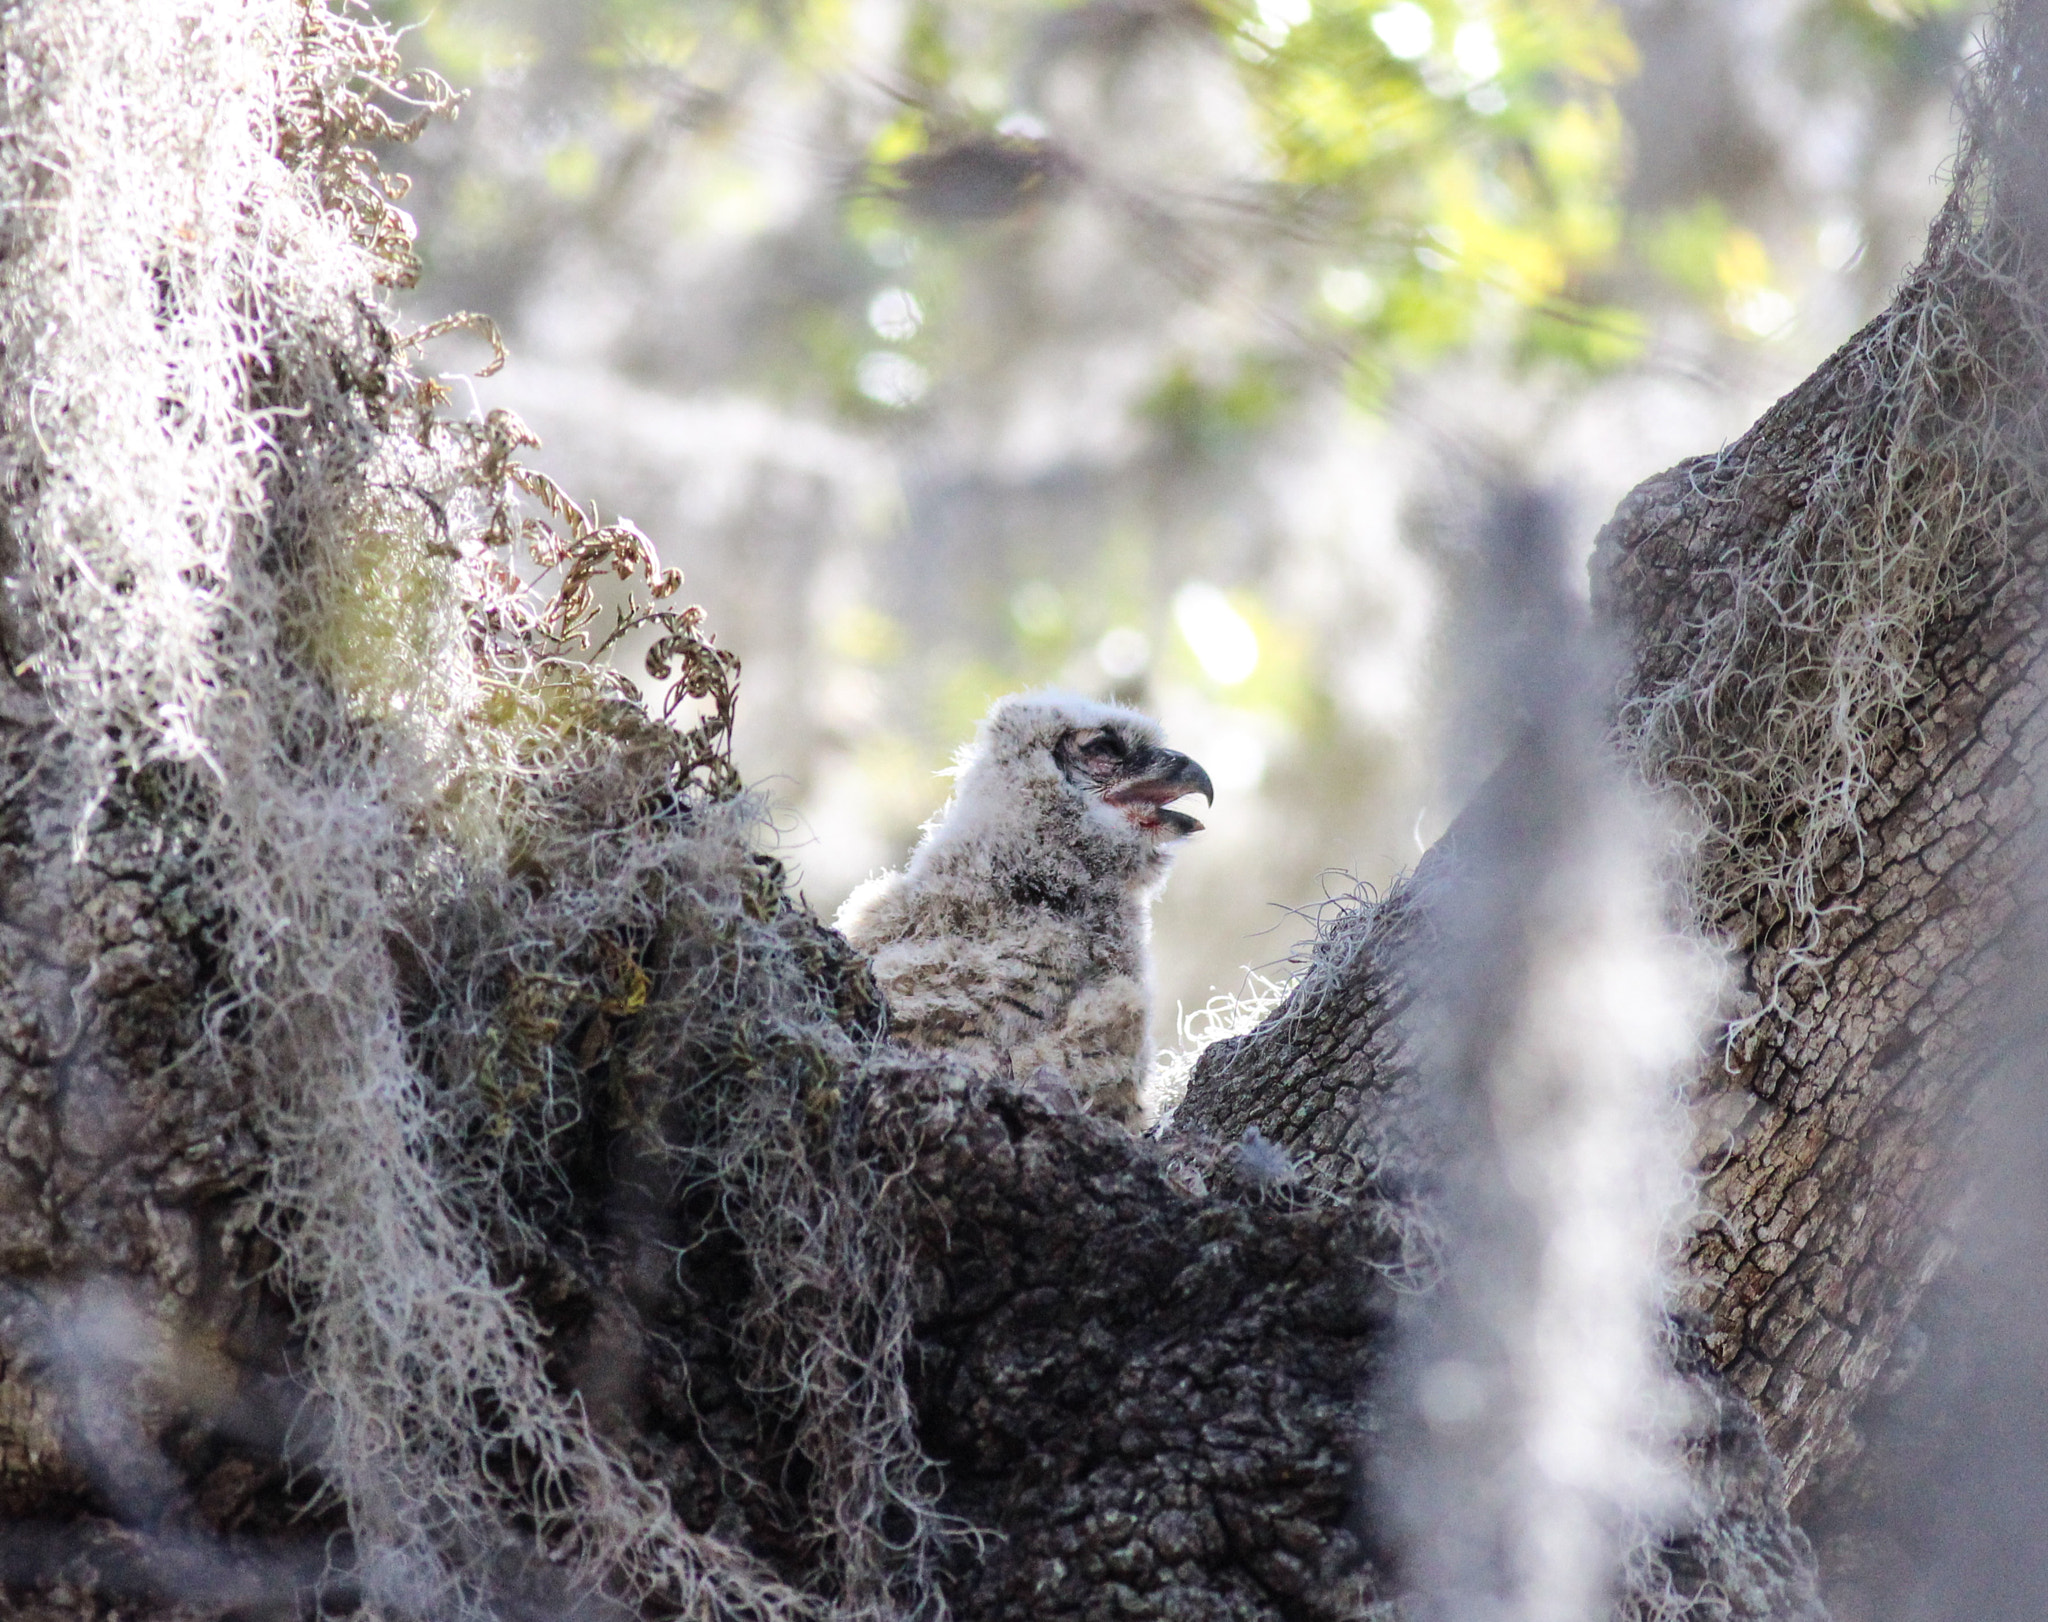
x,y
1017,936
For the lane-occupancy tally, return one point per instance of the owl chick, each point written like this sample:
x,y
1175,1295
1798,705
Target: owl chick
x,y
1018,935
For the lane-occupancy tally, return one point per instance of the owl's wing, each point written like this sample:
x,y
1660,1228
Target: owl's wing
x,y
1099,1045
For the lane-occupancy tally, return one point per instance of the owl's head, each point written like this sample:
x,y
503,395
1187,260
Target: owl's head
x,y
1053,777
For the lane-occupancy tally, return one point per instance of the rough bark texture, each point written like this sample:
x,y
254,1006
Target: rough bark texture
x,y
1150,1395
145,1399
1147,1398
1146,1377
1829,1149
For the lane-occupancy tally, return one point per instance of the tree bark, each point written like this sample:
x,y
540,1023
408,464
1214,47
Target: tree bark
x,y
1146,1376
1828,1147
1832,1128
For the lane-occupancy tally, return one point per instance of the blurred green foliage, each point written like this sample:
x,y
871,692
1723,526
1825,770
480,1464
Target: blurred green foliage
x,y
1471,154
1079,271
1433,173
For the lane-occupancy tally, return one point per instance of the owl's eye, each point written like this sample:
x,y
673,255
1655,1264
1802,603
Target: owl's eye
x,y
1101,748
1092,757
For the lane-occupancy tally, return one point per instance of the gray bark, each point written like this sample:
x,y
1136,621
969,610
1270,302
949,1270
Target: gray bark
x,y
1832,1137
1828,1151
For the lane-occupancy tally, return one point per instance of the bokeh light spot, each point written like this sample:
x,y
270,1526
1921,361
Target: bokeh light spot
x,y
1123,652
890,379
895,314
1405,29
1221,638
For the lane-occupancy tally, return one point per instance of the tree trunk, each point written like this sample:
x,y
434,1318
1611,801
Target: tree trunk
x,y
1879,898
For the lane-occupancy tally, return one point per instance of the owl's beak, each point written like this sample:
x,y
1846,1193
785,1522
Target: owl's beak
x,y
1162,776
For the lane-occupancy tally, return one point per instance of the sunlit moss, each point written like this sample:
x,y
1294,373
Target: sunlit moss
x,y
382,622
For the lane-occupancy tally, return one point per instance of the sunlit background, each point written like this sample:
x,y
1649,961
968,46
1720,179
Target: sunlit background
x,y
1151,348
